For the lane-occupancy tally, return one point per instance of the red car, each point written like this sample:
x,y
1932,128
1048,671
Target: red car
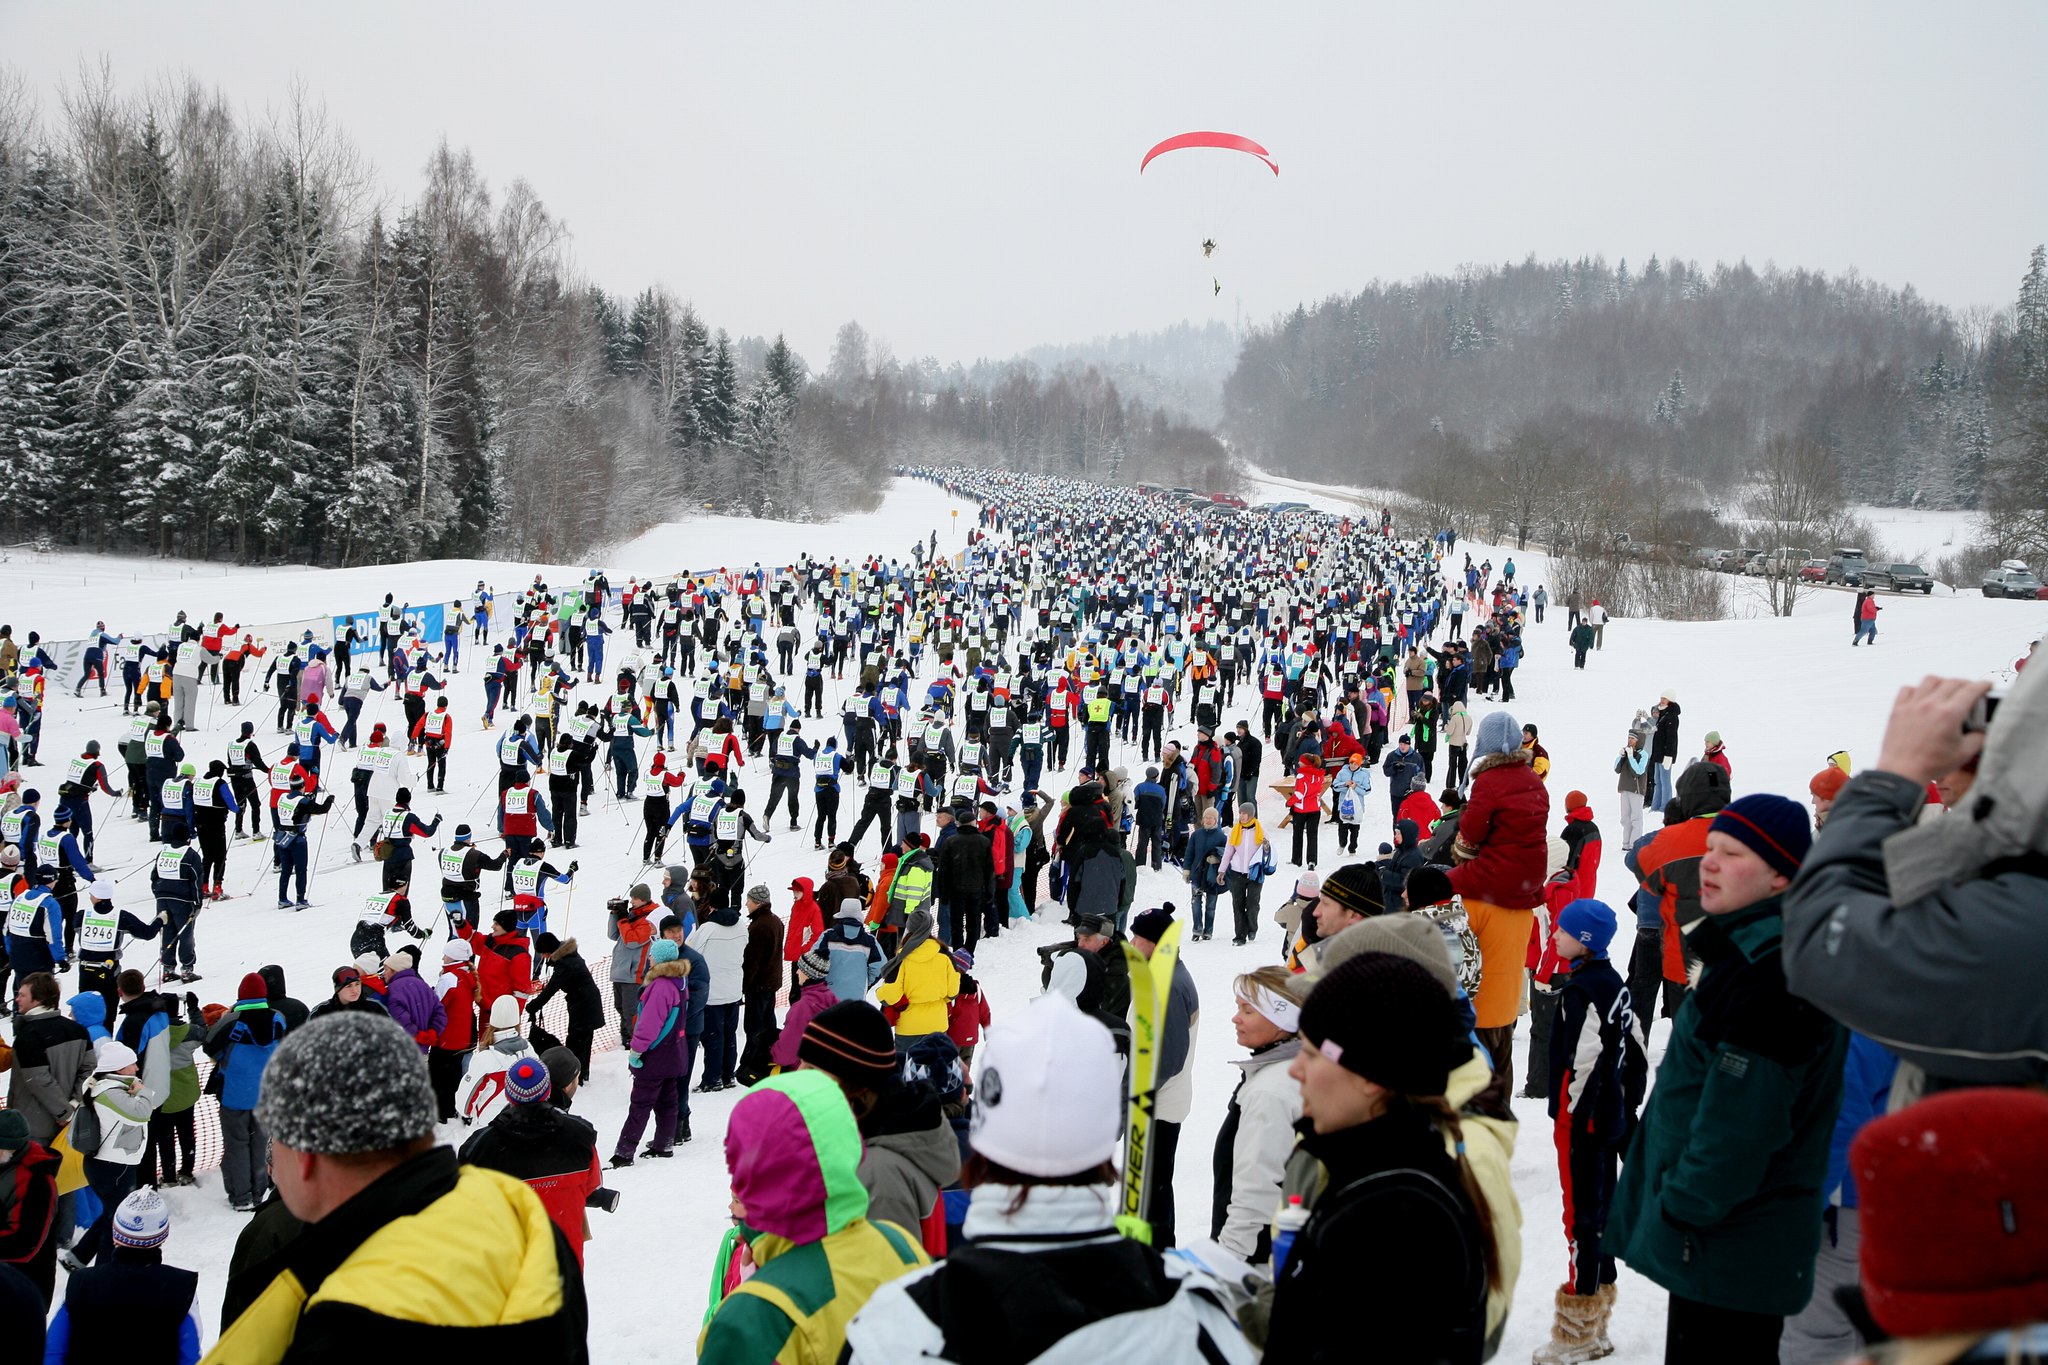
x,y
1228,500
1813,571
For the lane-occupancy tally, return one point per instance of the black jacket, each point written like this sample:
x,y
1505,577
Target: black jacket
x,y
965,867
130,1306
1394,1242
533,1142
294,1011
569,976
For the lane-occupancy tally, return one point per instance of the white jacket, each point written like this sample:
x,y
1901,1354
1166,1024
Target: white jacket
x,y
1268,1107
483,1090
124,1120
724,947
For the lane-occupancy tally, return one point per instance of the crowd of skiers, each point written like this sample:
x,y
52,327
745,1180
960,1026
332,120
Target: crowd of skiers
x,y
952,1178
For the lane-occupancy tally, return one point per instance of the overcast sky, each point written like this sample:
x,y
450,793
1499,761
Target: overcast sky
x,y
963,179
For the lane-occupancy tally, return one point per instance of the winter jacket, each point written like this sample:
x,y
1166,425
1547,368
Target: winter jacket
x,y
965,867
806,922
630,933
1669,866
856,959
1252,1149
1204,844
1583,837
28,1217
1424,1291
1664,743
504,966
661,1032
924,982
1394,870
123,1119
184,1039
761,962
241,1044
1590,1043
1458,726
1309,781
415,1008
457,988
1403,771
1720,1193
816,996
1502,842
908,1154
483,1085
144,1026
1874,963
698,986
1178,1031
966,1017
53,1059
552,1151
481,1268
818,1257
1631,772
130,1306
723,942
569,976
294,1011
1044,1276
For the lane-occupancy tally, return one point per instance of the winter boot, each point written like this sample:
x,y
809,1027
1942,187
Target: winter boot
x,y
1576,1334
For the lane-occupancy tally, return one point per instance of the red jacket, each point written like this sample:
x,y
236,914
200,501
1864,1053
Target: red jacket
x,y
1001,844
1670,866
512,822
966,1017
1501,835
1208,760
1309,781
458,998
1422,808
1718,756
504,966
806,921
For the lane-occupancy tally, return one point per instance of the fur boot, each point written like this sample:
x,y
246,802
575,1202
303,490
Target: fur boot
x,y
1578,1332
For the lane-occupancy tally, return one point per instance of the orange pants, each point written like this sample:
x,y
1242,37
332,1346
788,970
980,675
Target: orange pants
x,y
1503,936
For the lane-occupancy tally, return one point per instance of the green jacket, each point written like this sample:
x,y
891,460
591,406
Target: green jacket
x,y
184,1069
1720,1196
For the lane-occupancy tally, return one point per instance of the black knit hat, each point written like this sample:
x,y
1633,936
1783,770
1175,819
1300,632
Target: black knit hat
x,y
852,1041
1427,885
1387,1019
1356,887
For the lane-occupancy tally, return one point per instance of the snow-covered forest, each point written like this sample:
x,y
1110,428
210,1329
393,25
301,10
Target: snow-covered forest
x,y
1584,370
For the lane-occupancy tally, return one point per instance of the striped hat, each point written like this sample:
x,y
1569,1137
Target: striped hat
x,y
851,1041
142,1221
527,1081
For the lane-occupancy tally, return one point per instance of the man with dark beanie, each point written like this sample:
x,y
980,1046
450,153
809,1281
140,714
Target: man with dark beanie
x,y
1720,1193
1380,1037
351,1115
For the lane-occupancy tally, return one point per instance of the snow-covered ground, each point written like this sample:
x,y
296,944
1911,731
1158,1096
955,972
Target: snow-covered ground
x,y
1783,694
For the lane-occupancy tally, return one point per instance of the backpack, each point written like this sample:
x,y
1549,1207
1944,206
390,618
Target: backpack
x,y
85,1132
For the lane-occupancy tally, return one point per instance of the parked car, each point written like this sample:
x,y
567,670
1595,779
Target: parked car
x,y
1711,558
1899,578
1813,571
1846,565
1739,560
2012,578
1227,500
1779,563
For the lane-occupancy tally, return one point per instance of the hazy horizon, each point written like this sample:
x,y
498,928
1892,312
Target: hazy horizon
x,y
966,184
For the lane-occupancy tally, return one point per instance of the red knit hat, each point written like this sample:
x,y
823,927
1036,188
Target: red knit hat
x,y
1955,1213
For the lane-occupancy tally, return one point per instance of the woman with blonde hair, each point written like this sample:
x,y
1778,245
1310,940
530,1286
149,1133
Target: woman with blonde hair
x,y
1247,858
1258,1131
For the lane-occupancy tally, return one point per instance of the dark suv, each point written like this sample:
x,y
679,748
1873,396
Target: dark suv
x,y
1899,578
1846,565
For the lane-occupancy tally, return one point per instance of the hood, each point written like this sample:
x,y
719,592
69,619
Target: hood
x,y
729,916
793,1151
804,887
675,966
1089,793
1703,789
89,1009
566,948
1410,832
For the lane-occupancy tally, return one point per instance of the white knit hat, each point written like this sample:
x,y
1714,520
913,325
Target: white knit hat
x,y
1048,1097
505,1012
111,1054
142,1220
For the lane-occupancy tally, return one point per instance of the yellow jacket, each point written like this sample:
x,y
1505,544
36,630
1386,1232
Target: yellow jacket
x,y
431,1246
924,983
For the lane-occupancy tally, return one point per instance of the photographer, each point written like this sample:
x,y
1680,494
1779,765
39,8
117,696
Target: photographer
x,y
1893,924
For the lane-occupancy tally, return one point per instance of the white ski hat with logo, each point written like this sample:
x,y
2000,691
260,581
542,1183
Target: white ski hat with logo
x,y
1048,1093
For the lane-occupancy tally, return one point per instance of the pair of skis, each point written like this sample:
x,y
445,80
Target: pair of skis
x,y
1151,984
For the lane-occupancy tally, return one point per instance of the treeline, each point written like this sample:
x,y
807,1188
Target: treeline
x,y
213,343
1667,373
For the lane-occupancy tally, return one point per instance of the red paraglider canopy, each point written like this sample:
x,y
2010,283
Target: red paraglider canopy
x,y
1229,142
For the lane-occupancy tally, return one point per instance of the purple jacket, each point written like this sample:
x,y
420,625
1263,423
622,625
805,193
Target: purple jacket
x,y
658,1035
416,1008
817,995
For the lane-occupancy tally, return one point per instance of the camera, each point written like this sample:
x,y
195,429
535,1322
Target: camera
x,y
1981,714
618,907
607,1200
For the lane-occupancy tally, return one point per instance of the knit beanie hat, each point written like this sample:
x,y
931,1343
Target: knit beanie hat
x,y
253,988
13,1130
1713,738
367,964
1573,800
1356,887
1497,734
1309,883
505,1013
563,1069
1048,1100
1426,886
457,950
664,950
347,1083
1411,936
1776,829
852,1041
143,1221
1827,784
1387,1019
851,908
1955,1213
758,894
111,1054
1151,925
815,964
1589,921
527,1081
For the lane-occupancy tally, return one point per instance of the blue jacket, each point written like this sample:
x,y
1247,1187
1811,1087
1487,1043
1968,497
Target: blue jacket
x,y
1866,1089
241,1044
699,996
1204,875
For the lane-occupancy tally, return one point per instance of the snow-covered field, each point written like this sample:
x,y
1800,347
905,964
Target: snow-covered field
x,y
1783,694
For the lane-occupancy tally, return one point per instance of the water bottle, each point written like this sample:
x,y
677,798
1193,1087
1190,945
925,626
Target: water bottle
x,y
1290,1222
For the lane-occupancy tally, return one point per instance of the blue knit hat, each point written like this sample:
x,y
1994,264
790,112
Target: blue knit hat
x,y
1497,734
1589,921
1773,827
664,950
527,1081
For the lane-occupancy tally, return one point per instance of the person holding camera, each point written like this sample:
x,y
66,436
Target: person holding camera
x,y
1893,920
549,1148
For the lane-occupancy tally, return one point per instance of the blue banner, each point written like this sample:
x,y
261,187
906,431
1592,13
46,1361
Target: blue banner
x,y
427,620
